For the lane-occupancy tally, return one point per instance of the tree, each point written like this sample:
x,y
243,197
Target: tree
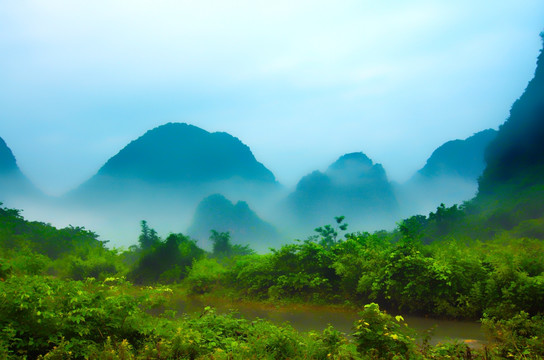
x,y
413,228
221,243
329,234
148,237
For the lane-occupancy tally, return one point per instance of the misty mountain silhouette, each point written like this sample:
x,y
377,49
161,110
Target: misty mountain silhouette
x,y
450,175
511,190
216,212
179,161
8,164
510,199
462,158
177,152
517,153
352,186
163,175
14,185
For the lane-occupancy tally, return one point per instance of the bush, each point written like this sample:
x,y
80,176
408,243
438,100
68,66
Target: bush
x,y
380,335
38,313
520,337
204,275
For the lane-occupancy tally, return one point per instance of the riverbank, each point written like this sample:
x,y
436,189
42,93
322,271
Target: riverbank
x,y
305,317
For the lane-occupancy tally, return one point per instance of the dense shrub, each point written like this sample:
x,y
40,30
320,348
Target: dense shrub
x,y
520,337
381,335
204,275
38,313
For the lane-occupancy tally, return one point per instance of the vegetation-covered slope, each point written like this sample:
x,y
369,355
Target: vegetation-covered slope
x,y
511,190
517,153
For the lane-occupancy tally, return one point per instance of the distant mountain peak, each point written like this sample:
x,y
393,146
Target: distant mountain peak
x,y
353,186
355,159
179,152
8,164
355,168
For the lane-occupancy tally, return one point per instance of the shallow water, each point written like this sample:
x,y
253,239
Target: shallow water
x,y
306,318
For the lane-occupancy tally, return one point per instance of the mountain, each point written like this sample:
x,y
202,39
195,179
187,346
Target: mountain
x,y
459,158
8,164
216,212
15,188
510,198
161,177
518,150
180,158
182,153
352,186
511,190
450,175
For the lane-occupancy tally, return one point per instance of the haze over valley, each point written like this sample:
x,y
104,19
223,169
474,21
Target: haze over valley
x,y
180,178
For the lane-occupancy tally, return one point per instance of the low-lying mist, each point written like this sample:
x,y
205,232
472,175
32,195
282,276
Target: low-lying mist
x,y
271,215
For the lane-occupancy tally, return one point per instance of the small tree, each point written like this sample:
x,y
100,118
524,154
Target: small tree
x,y
329,234
221,243
148,237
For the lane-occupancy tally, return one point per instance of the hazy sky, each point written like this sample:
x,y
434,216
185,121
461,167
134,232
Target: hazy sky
x,y
299,82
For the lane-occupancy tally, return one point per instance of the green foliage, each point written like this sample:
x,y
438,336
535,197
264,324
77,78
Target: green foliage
x,y
413,228
252,275
204,275
90,262
442,221
520,337
297,270
85,312
38,313
148,237
223,248
221,243
16,233
170,259
356,261
383,336
23,261
165,261
329,234
516,279
450,278
303,270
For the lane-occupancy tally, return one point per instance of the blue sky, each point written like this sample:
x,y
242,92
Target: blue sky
x,y
300,82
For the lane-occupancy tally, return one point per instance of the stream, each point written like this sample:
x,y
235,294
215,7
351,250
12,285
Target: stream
x,y
317,318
